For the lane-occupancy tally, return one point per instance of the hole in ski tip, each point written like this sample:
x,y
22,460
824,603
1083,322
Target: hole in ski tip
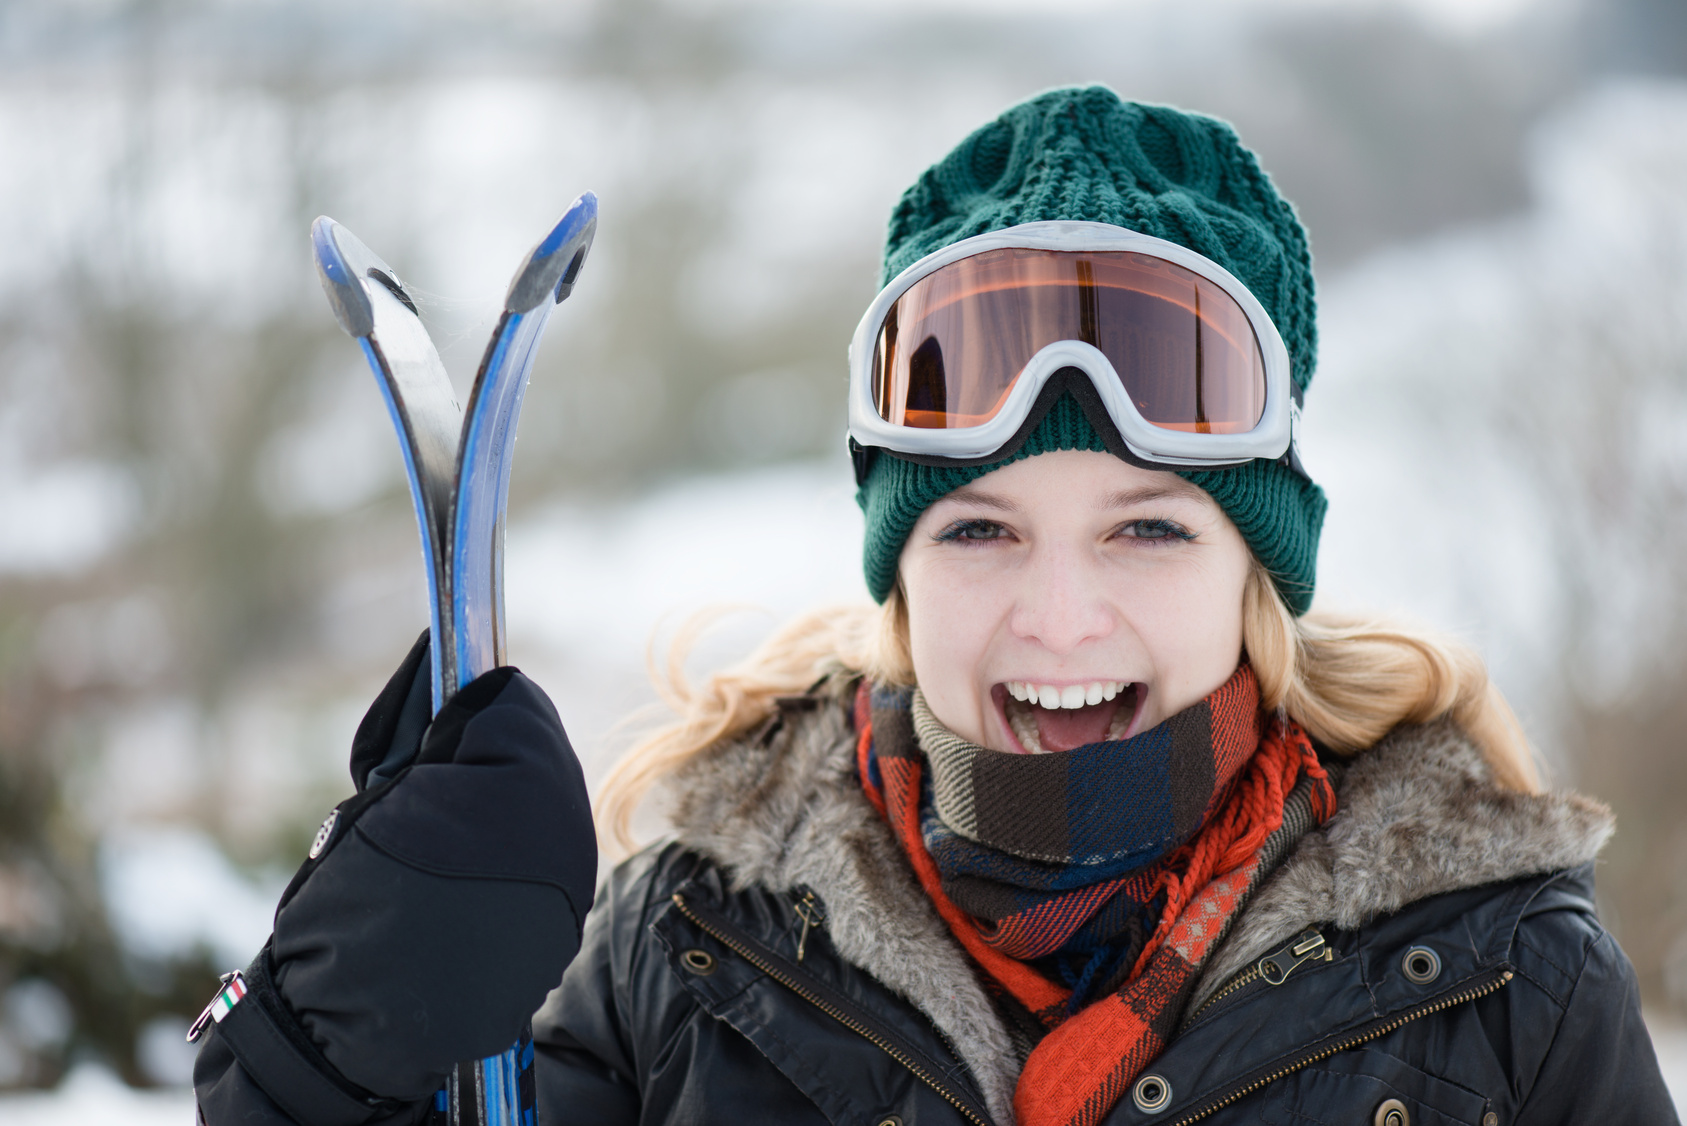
x,y
566,285
392,285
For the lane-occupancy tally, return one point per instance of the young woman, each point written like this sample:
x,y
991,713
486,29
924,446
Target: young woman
x,y
1090,821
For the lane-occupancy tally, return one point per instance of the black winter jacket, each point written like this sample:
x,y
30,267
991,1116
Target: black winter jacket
x,y
688,1004
1432,956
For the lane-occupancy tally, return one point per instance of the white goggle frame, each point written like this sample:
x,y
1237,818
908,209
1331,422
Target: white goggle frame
x,y
1272,437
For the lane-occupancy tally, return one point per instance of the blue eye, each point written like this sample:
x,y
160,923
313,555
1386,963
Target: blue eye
x,y
1161,530
974,530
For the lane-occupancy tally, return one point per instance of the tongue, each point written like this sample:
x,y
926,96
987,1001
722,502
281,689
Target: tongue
x,y
1063,729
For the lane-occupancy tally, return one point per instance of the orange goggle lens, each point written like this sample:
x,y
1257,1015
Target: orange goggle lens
x,y
953,345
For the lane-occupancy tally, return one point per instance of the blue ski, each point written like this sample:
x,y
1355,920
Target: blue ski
x,y
458,463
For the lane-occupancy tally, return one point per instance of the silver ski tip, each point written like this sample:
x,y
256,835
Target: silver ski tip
x,y
552,267
342,262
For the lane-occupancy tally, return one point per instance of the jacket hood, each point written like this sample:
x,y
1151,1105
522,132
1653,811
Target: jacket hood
x,y
1418,815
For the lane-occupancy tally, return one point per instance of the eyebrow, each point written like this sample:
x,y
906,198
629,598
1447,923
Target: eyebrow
x,y
1125,498
969,495
1128,497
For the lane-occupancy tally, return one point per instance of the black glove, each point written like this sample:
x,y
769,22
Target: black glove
x,y
439,906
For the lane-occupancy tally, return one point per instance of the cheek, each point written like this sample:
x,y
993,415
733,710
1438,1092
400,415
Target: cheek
x,y
946,637
951,628
1193,630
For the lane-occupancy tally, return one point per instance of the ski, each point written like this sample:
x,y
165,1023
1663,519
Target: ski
x,y
458,465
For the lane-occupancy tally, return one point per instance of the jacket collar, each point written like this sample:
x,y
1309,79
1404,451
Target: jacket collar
x,y
1418,815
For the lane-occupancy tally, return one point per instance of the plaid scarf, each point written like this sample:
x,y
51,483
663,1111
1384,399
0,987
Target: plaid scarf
x,y
1091,885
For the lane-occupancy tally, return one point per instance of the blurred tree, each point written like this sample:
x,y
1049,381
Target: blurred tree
x,y
1392,131
1635,757
207,589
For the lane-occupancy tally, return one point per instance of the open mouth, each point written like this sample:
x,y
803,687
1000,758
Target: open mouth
x,y
1042,719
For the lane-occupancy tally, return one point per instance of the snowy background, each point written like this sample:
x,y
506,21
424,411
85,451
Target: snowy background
x,y
207,565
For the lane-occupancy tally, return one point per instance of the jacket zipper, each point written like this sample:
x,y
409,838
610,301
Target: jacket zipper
x,y
808,910
1302,949
1275,968
1470,993
748,952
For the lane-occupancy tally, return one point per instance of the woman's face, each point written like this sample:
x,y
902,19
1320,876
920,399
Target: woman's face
x,y
1070,598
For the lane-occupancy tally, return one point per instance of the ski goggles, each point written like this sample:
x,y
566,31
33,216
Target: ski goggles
x,y
959,357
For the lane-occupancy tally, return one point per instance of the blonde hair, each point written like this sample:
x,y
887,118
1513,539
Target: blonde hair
x,y
1347,680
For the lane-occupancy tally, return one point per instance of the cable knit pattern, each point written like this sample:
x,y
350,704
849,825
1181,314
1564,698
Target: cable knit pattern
x,y
1083,153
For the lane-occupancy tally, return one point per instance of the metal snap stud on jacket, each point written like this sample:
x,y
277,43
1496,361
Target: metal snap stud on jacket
x,y
323,835
1421,965
890,1120
699,962
1151,1093
1392,1112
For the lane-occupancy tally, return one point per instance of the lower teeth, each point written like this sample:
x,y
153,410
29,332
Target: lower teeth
x,y
1025,727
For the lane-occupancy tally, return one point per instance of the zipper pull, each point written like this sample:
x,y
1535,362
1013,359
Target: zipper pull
x,y
1308,946
808,910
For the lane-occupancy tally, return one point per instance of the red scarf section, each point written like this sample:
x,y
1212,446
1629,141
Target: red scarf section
x,y
1086,1062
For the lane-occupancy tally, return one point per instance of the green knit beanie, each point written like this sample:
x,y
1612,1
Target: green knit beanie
x,y
1084,154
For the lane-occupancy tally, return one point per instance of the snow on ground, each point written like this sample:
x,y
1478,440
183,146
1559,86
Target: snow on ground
x,y
93,1096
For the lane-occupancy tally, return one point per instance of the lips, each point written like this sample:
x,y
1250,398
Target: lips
x,y
1080,714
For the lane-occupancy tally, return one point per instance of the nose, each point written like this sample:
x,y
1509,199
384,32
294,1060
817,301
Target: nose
x,y
1060,604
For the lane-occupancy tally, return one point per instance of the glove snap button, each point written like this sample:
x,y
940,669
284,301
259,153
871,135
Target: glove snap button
x,y
1392,1112
323,835
1151,1093
699,962
1421,965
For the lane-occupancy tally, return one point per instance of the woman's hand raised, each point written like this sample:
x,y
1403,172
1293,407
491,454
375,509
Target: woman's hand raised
x,y
438,907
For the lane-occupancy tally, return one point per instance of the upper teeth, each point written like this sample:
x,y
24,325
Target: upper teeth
x,y
1072,696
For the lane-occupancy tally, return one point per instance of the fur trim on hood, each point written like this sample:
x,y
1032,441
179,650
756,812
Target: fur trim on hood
x,y
1418,815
